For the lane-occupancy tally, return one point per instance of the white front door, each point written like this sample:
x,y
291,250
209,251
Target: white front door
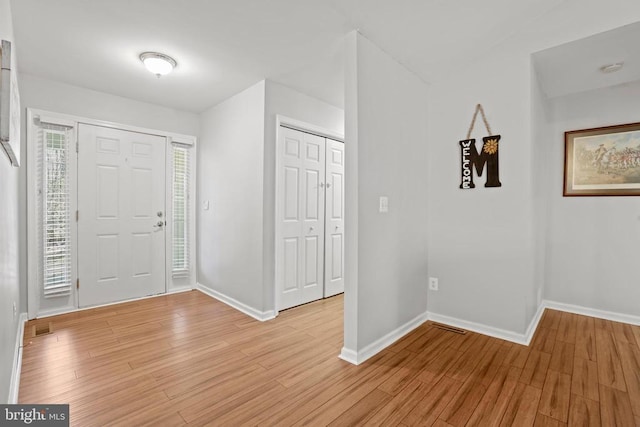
x,y
300,242
334,220
121,205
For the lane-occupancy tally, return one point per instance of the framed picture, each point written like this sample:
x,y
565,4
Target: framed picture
x,y
602,161
9,106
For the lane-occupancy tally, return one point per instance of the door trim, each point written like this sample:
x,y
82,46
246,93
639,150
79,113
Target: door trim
x,y
288,122
33,291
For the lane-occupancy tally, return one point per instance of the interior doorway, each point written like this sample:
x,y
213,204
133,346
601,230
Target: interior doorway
x,y
309,217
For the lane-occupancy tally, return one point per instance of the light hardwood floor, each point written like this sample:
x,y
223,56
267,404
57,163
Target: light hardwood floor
x,y
187,359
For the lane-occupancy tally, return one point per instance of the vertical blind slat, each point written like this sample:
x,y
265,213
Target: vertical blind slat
x,y
55,210
180,209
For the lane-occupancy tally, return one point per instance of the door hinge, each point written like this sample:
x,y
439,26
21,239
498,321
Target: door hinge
x,y
77,215
77,283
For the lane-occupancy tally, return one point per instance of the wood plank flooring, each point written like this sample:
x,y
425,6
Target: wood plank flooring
x,y
187,359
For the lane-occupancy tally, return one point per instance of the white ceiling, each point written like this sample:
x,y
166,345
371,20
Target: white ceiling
x,y
221,46
224,46
575,67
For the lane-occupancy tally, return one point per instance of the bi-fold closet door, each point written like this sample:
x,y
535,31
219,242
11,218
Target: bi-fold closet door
x,y
310,215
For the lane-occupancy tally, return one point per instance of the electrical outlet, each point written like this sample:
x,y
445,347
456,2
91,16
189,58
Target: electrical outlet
x,y
433,283
384,204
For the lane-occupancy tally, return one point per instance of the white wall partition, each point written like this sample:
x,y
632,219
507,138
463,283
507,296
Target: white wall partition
x,y
386,156
230,198
481,240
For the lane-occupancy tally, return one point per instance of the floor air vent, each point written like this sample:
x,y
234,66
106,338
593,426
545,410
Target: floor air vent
x,y
42,329
449,328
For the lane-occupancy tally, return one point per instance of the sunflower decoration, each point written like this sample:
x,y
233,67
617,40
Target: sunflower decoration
x,y
491,146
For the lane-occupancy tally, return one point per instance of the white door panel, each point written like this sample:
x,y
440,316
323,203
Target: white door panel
x,y
121,191
334,252
300,241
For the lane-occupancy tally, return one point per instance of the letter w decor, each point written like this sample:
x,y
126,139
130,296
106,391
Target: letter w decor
x,y
472,159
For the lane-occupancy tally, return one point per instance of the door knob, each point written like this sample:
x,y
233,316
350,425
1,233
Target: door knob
x,y
328,184
160,224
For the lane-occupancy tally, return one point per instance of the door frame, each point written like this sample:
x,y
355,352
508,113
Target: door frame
x,y
288,122
33,287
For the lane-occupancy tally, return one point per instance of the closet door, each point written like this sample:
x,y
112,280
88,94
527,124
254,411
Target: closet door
x,y
300,215
334,219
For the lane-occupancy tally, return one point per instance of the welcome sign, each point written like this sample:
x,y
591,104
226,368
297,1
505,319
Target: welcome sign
x,y
488,157
485,160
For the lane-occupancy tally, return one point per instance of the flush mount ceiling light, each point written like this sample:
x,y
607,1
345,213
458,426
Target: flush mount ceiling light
x,y
158,63
611,68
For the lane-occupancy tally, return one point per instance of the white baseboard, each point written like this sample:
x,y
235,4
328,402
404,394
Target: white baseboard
x,y
380,344
480,328
58,311
180,290
249,311
533,325
14,388
349,356
593,312
525,339
70,309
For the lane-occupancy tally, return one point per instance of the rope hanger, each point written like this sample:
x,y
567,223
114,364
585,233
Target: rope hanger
x,y
473,121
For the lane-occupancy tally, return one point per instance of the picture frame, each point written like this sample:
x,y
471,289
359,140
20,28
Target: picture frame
x,y
9,106
602,161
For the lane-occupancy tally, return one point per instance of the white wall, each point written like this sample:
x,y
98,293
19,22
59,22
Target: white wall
x,y
593,241
386,155
541,134
284,101
484,243
236,249
9,241
481,246
39,93
230,178
50,95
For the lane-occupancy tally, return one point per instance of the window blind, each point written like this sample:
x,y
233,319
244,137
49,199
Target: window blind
x,y
55,211
180,209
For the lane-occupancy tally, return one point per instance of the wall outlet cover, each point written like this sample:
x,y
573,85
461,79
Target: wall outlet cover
x,y
384,204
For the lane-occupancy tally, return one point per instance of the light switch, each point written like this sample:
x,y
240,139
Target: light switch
x,y
205,205
384,204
